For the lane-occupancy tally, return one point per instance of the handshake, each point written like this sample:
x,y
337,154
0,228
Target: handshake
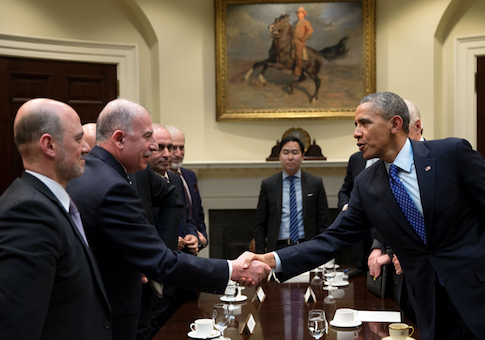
x,y
249,269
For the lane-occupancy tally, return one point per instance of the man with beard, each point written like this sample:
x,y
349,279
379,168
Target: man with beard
x,y
50,287
189,179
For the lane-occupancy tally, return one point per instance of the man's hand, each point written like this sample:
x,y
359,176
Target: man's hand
x,y
202,239
181,243
397,265
248,274
192,243
376,260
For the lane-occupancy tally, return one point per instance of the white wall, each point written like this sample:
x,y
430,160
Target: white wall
x,y
177,73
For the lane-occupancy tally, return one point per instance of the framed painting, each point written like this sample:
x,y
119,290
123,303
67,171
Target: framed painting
x,y
283,59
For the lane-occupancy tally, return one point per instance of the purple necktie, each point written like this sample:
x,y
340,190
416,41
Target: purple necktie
x,y
76,218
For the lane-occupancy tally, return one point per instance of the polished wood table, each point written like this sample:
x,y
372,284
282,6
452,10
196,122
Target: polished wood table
x,y
283,315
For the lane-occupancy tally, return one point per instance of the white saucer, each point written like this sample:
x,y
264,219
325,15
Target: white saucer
x,y
340,284
331,267
238,298
389,338
193,334
346,325
330,288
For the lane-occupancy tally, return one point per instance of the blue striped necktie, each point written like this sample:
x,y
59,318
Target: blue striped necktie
x,y
293,211
406,203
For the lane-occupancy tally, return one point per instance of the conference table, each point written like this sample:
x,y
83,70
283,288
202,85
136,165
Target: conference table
x,y
283,314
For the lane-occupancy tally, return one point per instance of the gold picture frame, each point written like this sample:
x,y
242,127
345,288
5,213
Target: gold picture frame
x,y
343,43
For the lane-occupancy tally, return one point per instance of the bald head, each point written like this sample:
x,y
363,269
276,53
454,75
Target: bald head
x,y
415,124
35,118
90,134
178,141
118,114
49,137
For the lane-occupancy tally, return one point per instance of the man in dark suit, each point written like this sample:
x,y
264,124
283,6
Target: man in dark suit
x,y
189,179
124,242
50,287
272,229
445,180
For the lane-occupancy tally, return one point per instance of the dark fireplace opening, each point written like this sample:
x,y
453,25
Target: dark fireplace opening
x,y
231,232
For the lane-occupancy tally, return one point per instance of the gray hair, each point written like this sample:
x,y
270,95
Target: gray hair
x,y
118,114
388,105
39,121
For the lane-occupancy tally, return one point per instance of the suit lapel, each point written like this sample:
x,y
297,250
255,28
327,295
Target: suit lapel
x,y
426,173
384,193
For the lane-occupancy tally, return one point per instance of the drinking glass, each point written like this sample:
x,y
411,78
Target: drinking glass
x,y
316,280
317,323
231,292
221,317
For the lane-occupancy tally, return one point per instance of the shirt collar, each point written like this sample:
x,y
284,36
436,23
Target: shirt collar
x,y
405,158
298,174
57,189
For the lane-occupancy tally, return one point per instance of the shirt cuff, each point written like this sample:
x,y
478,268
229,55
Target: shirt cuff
x,y
230,271
278,268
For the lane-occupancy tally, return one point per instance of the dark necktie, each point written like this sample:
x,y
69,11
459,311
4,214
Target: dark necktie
x,y
76,218
187,197
406,203
293,211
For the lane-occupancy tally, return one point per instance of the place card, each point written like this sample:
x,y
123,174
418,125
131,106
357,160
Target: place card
x,y
310,295
249,325
272,277
259,296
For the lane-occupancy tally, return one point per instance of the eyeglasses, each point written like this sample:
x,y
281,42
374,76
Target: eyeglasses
x,y
162,147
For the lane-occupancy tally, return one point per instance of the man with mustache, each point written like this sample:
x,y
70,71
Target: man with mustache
x,y
124,242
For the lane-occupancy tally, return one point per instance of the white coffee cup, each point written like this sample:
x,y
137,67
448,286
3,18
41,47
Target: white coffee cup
x,y
202,327
338,278
330,264
400,331
347,335
345,316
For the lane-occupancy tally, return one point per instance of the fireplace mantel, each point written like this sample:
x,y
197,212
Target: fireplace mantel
x,y
236,184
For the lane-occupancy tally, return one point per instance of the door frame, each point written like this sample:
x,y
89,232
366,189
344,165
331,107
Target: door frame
x,y
467,49
125,56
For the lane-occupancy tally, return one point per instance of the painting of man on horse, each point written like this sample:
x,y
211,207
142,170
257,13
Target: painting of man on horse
x,y
272,62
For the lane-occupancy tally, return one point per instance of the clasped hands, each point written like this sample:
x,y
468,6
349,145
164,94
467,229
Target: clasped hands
x,y
249,269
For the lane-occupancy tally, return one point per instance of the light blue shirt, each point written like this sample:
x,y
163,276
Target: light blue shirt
x,y
407,174
285,207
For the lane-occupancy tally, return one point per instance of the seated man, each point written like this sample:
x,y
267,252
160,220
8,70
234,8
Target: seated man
x,y
281,220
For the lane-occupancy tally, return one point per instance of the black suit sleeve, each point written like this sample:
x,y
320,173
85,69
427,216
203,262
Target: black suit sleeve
x,y
323,220
262,217
29,247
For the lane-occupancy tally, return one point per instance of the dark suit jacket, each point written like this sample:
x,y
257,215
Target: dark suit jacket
x,y
50,287
126,244
355,166
451,178
268,213
188,224
198,211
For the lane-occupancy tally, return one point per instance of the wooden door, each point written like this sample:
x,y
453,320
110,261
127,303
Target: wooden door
x,y
480,86
87,87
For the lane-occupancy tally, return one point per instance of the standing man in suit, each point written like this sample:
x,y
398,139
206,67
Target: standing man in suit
x,y
124,242
50,287
189,179
273,228
441,246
